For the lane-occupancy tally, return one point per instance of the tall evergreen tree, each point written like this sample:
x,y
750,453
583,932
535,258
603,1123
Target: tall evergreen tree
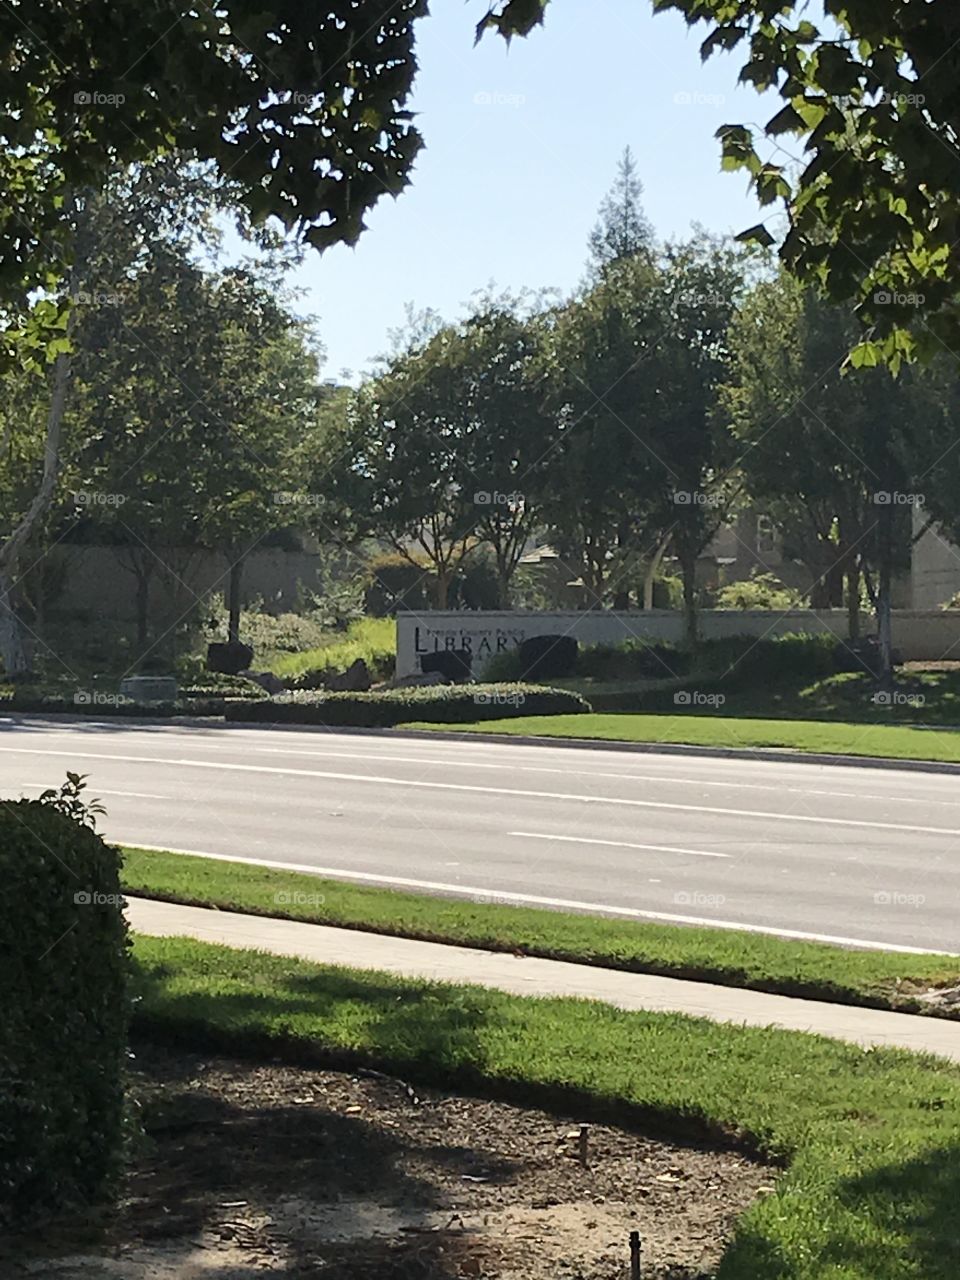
x,y
623,229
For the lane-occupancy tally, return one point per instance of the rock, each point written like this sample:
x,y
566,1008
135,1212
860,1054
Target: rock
x,y
267,681
149,688
356,679
229,659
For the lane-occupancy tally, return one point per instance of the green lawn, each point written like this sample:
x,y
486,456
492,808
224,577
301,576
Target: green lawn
x,y
901,742
873,1182
884,979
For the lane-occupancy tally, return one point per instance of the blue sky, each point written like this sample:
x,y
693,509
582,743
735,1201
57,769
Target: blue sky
x,y
521,145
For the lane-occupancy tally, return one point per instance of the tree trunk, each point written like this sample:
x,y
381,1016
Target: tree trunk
x,y
16,660
143,606
651,574
443,588
233,600
13,649
621,601
884,586
688,567
853,599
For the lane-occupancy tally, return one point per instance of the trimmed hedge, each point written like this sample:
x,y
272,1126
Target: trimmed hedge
x,y
63,1013
53,704
440,704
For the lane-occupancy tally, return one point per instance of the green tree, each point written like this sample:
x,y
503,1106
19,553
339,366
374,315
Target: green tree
x,y
622,229
402,475
834,451
700,285
869,101
506,435
606,481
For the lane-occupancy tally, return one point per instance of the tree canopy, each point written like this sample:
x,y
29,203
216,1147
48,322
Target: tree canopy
x,y
870,95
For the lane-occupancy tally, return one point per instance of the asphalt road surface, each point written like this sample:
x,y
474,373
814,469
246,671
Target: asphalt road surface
x,y
858,856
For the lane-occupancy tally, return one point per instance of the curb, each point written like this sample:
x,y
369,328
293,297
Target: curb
x,y
782,755
778,755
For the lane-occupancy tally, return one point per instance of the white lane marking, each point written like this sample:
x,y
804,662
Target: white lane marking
x,y
102,791
619,844
500,895
381,754
384,781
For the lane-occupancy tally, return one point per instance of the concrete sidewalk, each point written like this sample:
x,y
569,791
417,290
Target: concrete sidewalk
x,y
526,976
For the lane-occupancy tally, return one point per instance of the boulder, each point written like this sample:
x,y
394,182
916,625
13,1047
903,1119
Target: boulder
x,y
356,679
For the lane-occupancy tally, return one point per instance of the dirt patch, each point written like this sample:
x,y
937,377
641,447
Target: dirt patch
x,y
271,1170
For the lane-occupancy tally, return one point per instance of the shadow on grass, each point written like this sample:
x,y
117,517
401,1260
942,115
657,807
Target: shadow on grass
x,y
425,1034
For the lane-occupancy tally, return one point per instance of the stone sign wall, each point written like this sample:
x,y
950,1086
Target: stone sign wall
x,y
919,636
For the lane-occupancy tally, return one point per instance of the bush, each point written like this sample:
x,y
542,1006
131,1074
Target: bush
x,y
548,657
372,639
745,659
633,660
452,664
64,1021
212,685
760,591
229,658
440,704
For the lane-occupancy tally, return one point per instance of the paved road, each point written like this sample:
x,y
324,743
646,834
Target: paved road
x,y
855,855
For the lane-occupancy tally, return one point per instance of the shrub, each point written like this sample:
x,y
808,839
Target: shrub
x,y
229,658
372,639
452,664
503,668
441,704
64,1020
212,685
545,657
633,660
760,591
747,659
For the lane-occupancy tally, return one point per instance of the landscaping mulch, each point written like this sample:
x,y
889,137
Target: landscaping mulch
x,y
248,1170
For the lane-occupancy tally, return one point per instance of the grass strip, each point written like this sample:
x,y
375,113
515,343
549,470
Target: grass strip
x,y
871,1137
896,742
886,980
